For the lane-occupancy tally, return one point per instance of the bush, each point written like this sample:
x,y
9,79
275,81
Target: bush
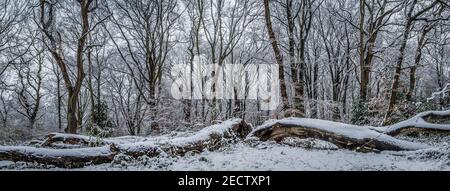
x,y
359,113
101,125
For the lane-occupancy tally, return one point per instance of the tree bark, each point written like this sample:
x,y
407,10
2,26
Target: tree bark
x,y
364,75
279,131
297,81
58,157
272,38
373,139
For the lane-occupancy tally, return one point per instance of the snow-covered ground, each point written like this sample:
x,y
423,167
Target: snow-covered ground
x,y
254,155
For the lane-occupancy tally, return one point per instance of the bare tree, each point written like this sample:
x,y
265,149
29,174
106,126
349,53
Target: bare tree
x,y
422,41
128,104
411,16
55,46
195,10
28,90
336,43
299,17
145,29
12,16
278,56
374,16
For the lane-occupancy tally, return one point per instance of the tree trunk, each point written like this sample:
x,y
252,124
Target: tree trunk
x,y
91,90
430,121
420,45
284,96
373,139
347,75
366,48
314,91
59,99
364,74
298,99
279,131
398,69
72,121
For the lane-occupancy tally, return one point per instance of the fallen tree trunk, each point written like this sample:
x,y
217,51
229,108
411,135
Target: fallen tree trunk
x,y
58,140
342,135
61,140
211,137
430,121
67,158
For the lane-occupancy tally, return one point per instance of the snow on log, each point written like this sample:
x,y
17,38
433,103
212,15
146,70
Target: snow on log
x,y
69,158
343,135
210,137
437,121
61,140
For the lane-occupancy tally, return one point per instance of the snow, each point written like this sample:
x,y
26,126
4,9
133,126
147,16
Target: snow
x,y
266,156
309,143
352,131
440,93
278,157
115,140
5,164
174,139
125,144
180,140
124,139
45,152
138,147
204,134
67,136
254,155
417,121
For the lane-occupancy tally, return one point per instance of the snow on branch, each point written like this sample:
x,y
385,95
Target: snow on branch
x,y
420,122
69,158
439,93
61,140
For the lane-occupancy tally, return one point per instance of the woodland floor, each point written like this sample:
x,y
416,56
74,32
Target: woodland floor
x,y
262,156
